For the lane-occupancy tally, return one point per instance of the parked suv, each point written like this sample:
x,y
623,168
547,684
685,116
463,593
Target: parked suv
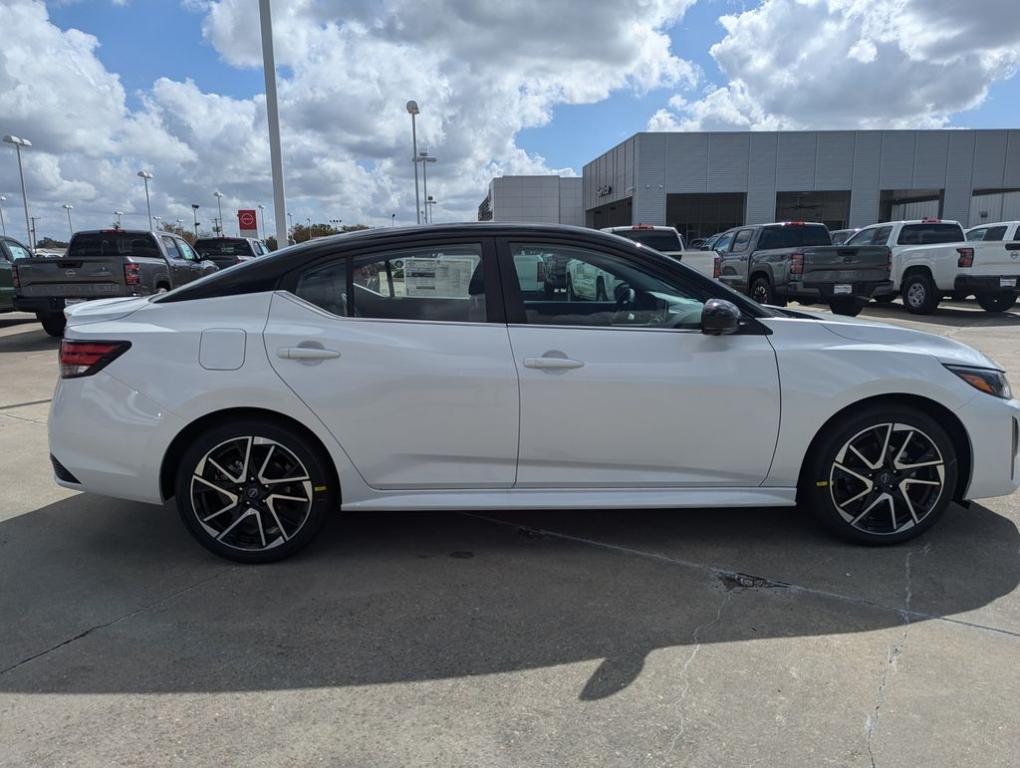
x,y
101,264
796,260
228,251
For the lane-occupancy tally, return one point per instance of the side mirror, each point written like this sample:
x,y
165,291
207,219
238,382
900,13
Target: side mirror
x,y
720,317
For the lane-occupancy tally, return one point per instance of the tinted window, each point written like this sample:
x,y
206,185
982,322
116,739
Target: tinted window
x,y
113,244
17,250
604,290
988,234
930,234
659,240
326,287
187,251
793,237
171,248
723,242
742,239
215,247
444,283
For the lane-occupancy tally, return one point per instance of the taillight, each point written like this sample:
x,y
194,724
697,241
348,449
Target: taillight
x,y
796,263
717,267
888,263
966,257
84,358
132,274
14,276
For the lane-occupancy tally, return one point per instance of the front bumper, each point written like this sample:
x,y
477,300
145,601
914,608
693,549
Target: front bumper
x,y
993,426
985,283
827,290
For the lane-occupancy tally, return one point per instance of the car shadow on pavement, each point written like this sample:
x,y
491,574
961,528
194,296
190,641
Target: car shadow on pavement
x,y
104,596
954,316
32,340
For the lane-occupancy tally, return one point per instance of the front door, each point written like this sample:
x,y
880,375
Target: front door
x,y
627,392
394,351
6,278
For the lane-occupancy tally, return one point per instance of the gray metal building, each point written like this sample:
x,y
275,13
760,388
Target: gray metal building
x,y
542,199
702,183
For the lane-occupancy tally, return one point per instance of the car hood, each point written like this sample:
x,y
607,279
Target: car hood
x,y
942,348
103,309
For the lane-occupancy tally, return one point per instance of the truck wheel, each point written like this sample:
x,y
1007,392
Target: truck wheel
x,y
53,323
850,306
887,298
996,302
920,296
761,290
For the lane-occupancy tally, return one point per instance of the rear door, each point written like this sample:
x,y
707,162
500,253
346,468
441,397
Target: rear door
x,y
404,356
6,278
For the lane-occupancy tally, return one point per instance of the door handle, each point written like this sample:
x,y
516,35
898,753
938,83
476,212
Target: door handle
x,y
552,363
306,353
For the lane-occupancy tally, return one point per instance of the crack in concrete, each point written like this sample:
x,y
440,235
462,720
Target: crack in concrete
x,y
149,606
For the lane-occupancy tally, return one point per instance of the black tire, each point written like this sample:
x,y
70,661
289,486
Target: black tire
x,y
920,296
162,288
887,298
319,490
850,306
53,323
825,480
600,290
996,302
762,291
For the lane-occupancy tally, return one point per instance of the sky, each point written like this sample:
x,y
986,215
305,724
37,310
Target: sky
x,y
105,88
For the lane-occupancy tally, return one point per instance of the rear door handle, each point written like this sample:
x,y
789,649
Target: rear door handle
x,y
552,363
306,353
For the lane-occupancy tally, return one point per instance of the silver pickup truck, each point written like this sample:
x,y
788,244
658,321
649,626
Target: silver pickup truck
x,y
102,264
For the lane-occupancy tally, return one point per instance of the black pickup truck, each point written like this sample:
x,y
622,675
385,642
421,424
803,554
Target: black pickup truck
x,y
794,260
102,264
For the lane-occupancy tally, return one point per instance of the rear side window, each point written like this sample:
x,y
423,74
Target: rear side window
x,y
930,234
793,237
114,244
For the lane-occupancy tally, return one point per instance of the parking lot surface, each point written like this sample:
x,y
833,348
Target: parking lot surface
x,y
687,638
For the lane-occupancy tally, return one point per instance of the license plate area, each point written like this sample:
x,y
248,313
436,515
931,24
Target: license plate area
x,y
1007,282
842,289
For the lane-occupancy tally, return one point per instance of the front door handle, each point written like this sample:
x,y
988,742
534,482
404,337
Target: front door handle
x,y
306,353
552,363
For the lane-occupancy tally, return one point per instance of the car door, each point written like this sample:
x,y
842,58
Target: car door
x,y
404,356
6,277
628,392
197,266
181,269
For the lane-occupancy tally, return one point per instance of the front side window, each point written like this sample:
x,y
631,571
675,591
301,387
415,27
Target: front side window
x,y
602,290
995,234
186,250
723,243
17,251
171,247
742,239
977,234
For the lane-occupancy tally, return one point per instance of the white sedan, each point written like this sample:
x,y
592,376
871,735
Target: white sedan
x,y
405,369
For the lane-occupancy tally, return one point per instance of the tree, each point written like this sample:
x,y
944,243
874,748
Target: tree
x,y
299,233
271,243
49,242
180,231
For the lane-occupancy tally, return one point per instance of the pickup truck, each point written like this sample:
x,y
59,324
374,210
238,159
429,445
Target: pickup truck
x,y
666,240
101,264
228,251
10,252
774,263
932,258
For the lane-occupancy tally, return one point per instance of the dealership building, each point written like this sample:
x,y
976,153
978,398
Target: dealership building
x,y
534,199
702,183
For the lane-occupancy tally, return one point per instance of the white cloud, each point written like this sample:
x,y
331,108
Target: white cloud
x,y
480,71
854,63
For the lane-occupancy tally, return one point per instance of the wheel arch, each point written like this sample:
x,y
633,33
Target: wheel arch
x,y
946,418
177,447
915,268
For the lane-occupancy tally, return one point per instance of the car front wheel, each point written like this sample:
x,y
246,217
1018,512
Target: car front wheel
x,y
881,476
254,491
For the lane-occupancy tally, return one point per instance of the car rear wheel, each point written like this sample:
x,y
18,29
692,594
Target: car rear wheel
x,y
850,306
254,491
996,302
53,323
881,476
919,294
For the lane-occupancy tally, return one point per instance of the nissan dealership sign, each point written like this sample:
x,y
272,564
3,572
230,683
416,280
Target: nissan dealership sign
x,y
248,223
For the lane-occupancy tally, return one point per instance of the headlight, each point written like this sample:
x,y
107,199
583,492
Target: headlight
x,y
988,380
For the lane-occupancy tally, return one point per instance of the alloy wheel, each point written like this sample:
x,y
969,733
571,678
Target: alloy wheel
x,y
887,478
760,293
251,493
916,294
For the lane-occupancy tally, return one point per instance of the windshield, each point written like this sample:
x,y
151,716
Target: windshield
x,y
930,234
657,239
113,244
223,246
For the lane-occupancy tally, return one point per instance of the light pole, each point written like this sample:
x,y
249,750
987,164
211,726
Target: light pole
x,y
145,176
3,224
219,207
262,217
393,219
180,223
273,117
18,143
194,212
429,211
68,207
157,219
413,111
290,217
425,158
120,216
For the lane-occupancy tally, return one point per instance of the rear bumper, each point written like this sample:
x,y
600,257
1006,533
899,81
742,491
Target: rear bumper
x,y
984,283
827,290
42,304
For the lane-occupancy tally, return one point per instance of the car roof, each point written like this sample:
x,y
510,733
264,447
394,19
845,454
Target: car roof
x,y
112,230
994,224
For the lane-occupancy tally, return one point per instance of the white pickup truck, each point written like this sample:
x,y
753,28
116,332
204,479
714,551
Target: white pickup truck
x,y
668,241
932,258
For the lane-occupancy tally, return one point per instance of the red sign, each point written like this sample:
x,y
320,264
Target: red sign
x,y
246,221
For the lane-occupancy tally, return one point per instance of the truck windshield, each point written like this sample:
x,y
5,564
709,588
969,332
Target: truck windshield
x,y
222,246
113,244
930,234
793,236
658,240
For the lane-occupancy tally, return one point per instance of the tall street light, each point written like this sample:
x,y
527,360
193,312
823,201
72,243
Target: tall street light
x,y
425,158
262,217
3,224
194,212
18,143
413,111
68,207
273,117
429,210
219,207
120,217
157,219
145,176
